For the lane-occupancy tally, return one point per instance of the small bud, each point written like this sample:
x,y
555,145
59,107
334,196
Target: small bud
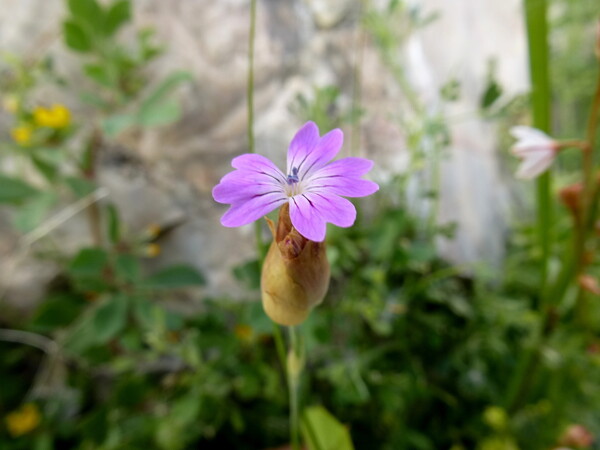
x,y
295,275
589,283
577,436
571,198
152,250
152,231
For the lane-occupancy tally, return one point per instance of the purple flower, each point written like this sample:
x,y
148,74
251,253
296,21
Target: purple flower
x,y
312,185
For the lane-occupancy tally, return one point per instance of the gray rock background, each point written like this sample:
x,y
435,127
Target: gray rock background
x,y
299,44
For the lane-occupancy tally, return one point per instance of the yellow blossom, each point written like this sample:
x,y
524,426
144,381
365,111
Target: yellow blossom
x,y
23,420
22,134
152,250
153,230
57,116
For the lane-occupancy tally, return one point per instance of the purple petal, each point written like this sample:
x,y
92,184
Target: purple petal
x,y
302,144
306,219
348,167
333,209
248,211
346,186
241,185
328,146
258,163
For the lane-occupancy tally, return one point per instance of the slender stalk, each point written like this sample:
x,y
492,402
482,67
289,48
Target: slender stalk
x,y
537,35
295,363
250,105
588,206
357,83
88,170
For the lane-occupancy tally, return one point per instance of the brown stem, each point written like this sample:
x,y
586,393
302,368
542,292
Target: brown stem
x,y
89,171
591,191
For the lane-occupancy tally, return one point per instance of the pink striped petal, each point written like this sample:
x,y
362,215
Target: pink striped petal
x,y
302,144
258,163
306,219
333,209
348,187
347,167
250,210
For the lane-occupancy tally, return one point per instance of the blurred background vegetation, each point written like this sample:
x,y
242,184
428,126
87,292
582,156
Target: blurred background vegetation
x,y
407,352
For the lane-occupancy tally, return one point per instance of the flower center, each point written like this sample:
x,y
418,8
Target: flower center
x,y
293,177
293,183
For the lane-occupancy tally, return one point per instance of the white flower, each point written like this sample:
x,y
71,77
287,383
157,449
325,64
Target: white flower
x,y
535,148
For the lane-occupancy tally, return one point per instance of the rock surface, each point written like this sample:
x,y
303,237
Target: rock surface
x,y
299,44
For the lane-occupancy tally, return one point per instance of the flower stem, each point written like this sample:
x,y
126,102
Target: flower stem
x,y
537,36
589,205
250,104
295,364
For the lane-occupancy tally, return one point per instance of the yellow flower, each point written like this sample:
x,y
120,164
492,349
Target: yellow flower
x,y
22,134
153,230
57,116
152,250
23,420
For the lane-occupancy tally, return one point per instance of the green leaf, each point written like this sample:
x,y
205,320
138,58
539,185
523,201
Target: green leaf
x,y
76,37
33,212
118,123
56,311
175,277
118,14
166,87
110,319
88,12
127,267
80,186
99,73
47,166
156,109
322,431
15,191
94,100
492,92
89,262
159,114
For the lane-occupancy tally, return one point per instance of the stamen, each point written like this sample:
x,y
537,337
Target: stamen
x,y
293,178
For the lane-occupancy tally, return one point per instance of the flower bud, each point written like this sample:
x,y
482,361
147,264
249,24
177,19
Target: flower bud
x,y
571,198
589,283
577,436
295,274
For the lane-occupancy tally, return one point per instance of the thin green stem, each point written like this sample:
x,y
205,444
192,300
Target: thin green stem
x,y
537,35
295,364
250,85
260,246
